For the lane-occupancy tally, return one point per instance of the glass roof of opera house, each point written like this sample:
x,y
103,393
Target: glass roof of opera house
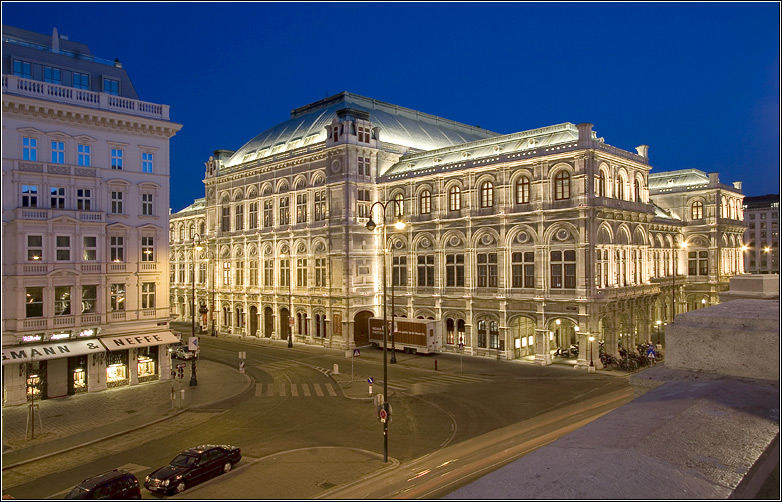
x,y
401,126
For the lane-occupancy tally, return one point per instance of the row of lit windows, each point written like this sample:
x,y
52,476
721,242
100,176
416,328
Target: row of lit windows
x,y
58,200
64,248
83,154
267,216
234,274
53,75
63,301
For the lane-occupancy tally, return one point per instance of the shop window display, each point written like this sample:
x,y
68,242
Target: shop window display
x,y
36,380
117,369
147,364
77,369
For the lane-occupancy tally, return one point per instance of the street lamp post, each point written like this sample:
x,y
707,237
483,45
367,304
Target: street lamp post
x,y
591,360
214,285
371,226
196,247
673,289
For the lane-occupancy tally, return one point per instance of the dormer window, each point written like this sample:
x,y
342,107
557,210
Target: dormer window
x,y
111,86
335,134
363,134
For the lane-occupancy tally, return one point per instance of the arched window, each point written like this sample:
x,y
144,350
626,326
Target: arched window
x,y
696,210
637,191
399,205
494,335
203,228
454,198
487,194
482,334
425,202
562,185
601,184
619,193
450,331
191,231
522,190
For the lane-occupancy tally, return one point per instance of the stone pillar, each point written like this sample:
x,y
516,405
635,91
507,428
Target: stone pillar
x,y
583,349
164,362
14,384
133,366
542,350
96,377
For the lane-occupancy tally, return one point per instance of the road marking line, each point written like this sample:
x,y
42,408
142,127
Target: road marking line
x,y
318,390
258,389
282,390
331,390
306,389
294,390
270,390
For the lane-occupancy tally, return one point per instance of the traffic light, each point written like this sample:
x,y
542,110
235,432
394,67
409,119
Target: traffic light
x,y
180,372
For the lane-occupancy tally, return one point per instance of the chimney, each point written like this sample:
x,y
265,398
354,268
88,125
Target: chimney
x,y
714,178
117,63
737,185
55,40
584,133
643,151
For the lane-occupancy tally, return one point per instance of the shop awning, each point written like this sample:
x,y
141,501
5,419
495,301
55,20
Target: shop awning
x,y
126,342
52,350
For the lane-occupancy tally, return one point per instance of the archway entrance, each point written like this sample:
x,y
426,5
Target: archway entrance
x,y
253,321
268,322
361,327
562,335
522,331
285,327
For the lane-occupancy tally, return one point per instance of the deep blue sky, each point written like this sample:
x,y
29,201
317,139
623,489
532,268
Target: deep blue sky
x,y
699,82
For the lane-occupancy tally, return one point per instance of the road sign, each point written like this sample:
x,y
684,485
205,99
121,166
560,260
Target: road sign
x,y
356,352
371,380
181,365
192,343
383,415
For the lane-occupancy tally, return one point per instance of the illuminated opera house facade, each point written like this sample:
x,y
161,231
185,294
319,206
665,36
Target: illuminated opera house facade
x,y
514,243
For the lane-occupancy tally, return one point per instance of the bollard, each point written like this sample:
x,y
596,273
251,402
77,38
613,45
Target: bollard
x,y
336,369
435,364
181,397
370,389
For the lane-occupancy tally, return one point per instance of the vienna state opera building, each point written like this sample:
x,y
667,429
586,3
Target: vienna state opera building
x,y
515,244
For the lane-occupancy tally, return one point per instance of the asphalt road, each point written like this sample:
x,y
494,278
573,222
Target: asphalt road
x,y
296,406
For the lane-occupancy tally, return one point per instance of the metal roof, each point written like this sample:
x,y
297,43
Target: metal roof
x,y
397,125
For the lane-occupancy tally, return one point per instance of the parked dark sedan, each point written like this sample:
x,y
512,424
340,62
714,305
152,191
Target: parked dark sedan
x,y
116,484
193,466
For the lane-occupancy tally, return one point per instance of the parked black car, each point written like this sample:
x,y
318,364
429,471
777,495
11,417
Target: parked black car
x,y
116,484
193,466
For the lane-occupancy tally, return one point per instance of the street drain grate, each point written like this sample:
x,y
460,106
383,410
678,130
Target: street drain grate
x,y
326,485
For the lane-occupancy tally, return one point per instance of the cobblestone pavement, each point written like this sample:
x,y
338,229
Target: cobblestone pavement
x,y
74,420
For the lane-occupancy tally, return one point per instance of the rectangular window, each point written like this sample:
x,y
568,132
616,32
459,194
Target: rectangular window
x,y
146,162
147,295
84,154
363,165
29,148
301,208
400,271
58,152
63,247
148,248
301,272
253,215
84,199
253,273
23,69
111,86
181,272
52,75
116,158
239,217
29,195
363,134
268,272
33,302
146,204
523,269
363,203
89,248
426,270
117,248
89,299
226,273
454,270
81,80
225,218
202,273
57,199
116,202
284,211
267,213
239,273
62,300
34,247
563,269
320,272
117,297
285,273
487,270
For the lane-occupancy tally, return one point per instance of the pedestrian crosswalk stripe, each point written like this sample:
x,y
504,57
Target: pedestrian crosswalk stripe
x,y
294,390
301,390
305,389
318,390
270,389
258,389
330,389
282,390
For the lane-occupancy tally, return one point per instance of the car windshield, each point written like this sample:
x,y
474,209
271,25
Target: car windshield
x,y
78,493
184,460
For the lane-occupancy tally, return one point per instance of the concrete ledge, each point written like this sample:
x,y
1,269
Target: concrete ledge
x,y
688,438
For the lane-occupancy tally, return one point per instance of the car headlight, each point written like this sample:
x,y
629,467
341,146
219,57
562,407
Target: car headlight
x,y
165,483
147,478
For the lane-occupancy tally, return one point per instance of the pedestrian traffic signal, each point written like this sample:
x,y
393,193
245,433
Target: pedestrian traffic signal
x,y
180,372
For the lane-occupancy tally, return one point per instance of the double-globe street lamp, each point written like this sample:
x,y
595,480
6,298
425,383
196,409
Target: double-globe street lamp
x,y
196,247
371,227
683,245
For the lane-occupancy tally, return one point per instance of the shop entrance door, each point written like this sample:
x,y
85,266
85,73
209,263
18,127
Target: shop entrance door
x,y
57,377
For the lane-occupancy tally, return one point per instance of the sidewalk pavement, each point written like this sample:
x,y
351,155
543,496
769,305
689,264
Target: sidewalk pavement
x,y
73,421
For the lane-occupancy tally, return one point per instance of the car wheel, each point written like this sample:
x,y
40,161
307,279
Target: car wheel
x,y
227,467
180,487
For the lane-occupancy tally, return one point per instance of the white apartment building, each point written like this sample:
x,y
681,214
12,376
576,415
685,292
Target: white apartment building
x,y
85,220
515,244
762,235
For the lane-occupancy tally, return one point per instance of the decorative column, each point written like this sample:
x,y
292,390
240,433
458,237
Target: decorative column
x,y
133,366
583,350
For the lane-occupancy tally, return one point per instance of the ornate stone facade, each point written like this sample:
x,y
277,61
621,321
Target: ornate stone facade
x,y
516,243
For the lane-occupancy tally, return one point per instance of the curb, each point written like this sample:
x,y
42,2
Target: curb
x,y
394,465
116,434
